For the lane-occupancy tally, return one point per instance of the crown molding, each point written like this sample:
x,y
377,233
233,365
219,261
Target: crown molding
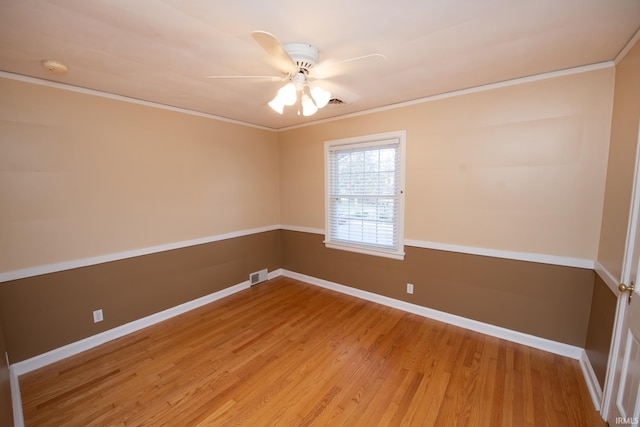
x,y
101,94
475,89
630,44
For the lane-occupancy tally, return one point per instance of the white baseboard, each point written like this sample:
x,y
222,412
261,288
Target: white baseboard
x,y
555,347
592,381
36,362
58,354
275,273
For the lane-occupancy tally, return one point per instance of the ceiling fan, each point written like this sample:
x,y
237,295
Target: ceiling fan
x,y
298,63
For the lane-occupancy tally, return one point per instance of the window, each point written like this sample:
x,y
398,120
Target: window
x,y
364,196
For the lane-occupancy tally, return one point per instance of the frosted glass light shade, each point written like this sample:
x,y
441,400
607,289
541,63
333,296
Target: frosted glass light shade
x,y
287,94
308,107
320,96
277,105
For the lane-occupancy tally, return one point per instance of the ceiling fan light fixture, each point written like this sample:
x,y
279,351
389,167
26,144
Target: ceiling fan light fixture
x,y
308,107
296,62
288,94
320,96
277,105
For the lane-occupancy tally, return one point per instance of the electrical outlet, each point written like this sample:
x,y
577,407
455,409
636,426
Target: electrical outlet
x,y
409,288
97,316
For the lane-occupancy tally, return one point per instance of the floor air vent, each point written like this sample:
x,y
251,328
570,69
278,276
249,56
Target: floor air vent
x,y
258,276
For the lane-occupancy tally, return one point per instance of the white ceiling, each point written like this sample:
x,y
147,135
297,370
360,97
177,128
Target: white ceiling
x,y
160,50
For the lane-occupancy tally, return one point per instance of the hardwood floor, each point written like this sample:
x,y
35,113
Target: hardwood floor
x,y
292,354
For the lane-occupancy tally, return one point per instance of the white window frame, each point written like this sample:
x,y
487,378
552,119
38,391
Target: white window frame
x,y
399,137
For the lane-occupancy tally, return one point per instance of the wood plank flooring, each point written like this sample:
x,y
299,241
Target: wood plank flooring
x,y
286,353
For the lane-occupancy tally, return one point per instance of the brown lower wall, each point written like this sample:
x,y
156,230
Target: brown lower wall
x,y
46,312
547,301
600,331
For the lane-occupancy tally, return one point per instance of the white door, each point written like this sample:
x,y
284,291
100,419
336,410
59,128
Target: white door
x,y
624,404
621,403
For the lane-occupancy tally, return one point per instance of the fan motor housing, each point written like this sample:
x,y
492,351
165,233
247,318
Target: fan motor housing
x,y
305,55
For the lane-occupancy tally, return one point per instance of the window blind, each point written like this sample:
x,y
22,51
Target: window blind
x,y
364,194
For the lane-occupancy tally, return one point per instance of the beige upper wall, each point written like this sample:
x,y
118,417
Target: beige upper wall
x,y
518,168
84,176
622,153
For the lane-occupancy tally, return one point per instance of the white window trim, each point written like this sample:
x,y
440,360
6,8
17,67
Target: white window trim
x,y
398,252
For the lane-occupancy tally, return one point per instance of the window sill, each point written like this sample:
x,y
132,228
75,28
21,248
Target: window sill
x,y
399,255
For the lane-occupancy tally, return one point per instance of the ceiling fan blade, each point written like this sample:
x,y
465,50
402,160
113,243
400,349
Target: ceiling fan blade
x,y
271,78
337,91
279,56
329,69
